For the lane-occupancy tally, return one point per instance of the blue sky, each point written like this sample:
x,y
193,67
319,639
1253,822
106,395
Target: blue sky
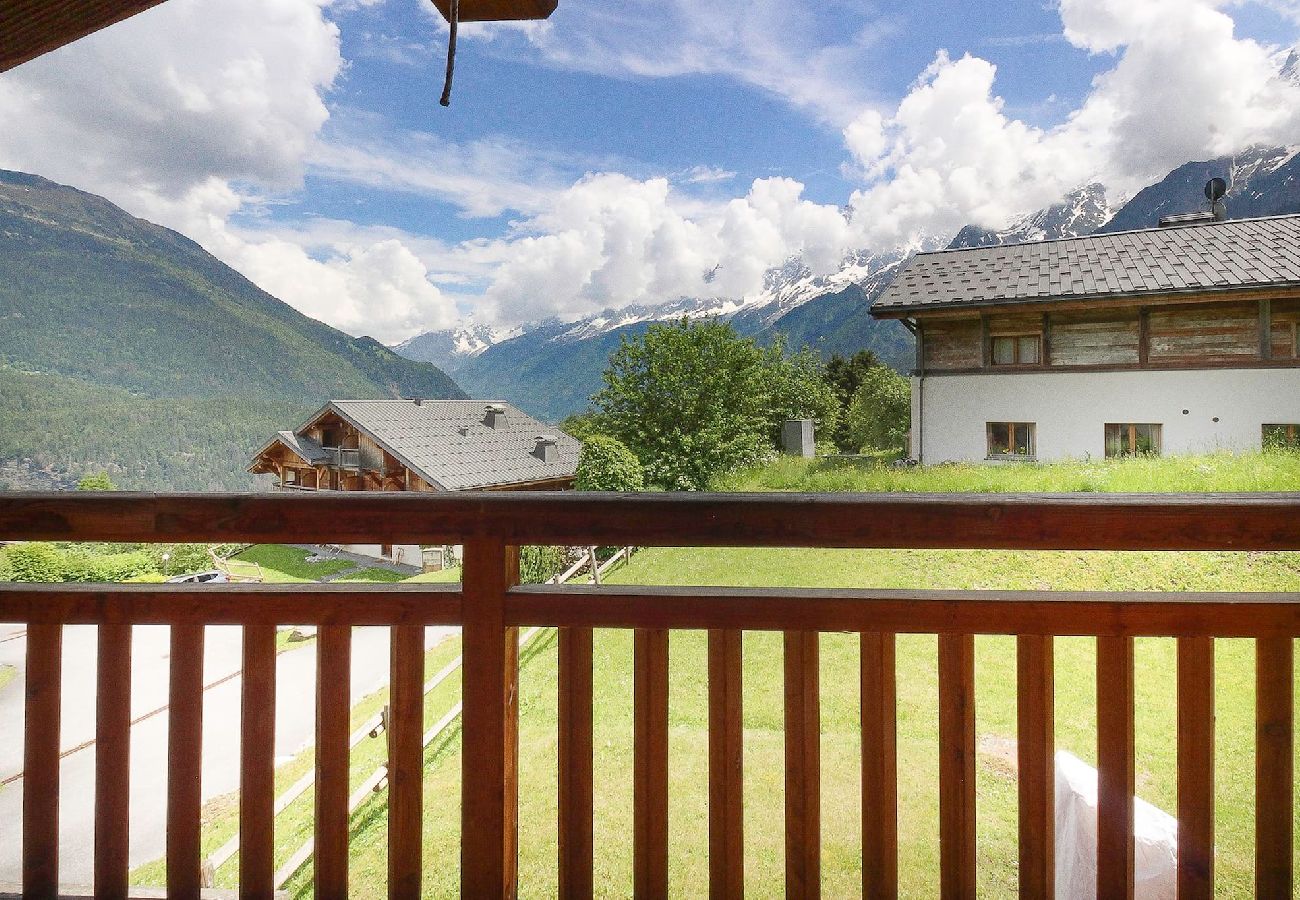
x,y
621,150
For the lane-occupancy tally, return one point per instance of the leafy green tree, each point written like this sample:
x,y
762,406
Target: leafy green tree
x,y
537,564
606,464
582,426
799,389
690,400
879,414
845,375
96,481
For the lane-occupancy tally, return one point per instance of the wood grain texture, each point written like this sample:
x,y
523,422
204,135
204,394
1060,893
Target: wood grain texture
x,y
257,764
726,766
498,10
1115,775
957,765
879,709
333,708
489,686
185,761
803,855
1195,768
30,28
112,760
233,604
1036,752
405,762
1249,614
576,803
42,711
650,764
1274,766
913,521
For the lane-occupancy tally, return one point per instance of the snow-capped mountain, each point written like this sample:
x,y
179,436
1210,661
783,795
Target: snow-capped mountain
x,y
1082,211
450,348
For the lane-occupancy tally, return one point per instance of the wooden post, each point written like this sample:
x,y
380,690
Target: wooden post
x,y
879,699
112,760
185,760
1035,728
41,759
726,751
490,691
957,765
650,763
802,765
576,809
257,763
333,708
1115,776
1195,768
1274,766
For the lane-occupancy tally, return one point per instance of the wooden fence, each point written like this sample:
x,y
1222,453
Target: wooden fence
x,y
490,607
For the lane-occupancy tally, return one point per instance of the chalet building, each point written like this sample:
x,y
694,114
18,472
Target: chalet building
x,y
418,445
1176,339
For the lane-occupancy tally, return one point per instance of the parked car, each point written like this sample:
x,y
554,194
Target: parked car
x,y
213,577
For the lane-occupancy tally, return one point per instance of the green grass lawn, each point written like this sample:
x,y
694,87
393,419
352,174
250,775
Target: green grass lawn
x,y
1273,471
281,564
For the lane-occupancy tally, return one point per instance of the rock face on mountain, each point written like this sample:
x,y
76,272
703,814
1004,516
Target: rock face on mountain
x,y
1263,181
1081,212
148,357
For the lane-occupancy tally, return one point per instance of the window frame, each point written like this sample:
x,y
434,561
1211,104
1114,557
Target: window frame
x,y
1129,430
1289,442
1015,337
1011,441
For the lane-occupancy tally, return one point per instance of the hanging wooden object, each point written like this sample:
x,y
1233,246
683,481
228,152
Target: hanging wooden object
x,y
498,10
457,11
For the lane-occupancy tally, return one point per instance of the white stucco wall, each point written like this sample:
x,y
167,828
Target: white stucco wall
x,y
1070,409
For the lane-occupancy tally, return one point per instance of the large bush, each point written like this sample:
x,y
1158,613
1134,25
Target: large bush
x,y
606,464
38,561
879,415
538,564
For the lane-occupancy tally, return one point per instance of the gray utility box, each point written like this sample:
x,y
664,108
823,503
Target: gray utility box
x,y
797,438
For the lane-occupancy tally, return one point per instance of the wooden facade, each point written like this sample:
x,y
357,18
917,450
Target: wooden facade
x,y
1201,332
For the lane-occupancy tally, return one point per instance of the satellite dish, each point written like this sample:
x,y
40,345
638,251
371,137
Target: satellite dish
x,y
1215,188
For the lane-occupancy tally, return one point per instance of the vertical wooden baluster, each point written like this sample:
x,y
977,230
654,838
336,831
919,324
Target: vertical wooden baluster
x,y
575,761
650,763
879,767
490,689
41,759
726,768
333,713
405,760
257,764
1274,766
112,759
1195,768
1036,743
185,761
1115,784
802,766
957,765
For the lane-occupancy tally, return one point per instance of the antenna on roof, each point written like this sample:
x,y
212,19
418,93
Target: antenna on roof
x,y
1215,189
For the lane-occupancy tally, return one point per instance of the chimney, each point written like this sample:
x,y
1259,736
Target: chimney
x,y
419,401
547,449
494,415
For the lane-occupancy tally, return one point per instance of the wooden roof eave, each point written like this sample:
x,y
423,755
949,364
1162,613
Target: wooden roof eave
x,y
32,28
1075,303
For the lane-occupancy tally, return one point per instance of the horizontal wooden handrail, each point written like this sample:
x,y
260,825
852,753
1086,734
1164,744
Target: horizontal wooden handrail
x,y
1099,613
232,604
916,521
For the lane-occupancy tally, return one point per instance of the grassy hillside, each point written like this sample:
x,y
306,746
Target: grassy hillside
x,y
123,337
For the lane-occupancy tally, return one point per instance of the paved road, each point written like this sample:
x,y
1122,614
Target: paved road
x,y
295,726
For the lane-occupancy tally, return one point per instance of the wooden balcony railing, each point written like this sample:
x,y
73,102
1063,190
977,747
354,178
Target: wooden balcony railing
x,y
490,607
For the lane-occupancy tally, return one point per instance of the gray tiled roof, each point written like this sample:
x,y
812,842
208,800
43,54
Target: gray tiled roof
x,y
1215,256
447,442
305,447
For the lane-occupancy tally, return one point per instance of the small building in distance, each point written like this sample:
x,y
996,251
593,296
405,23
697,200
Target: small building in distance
x,y
1177,339
418,445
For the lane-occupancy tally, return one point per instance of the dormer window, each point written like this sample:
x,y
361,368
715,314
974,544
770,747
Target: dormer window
x,y
1016,349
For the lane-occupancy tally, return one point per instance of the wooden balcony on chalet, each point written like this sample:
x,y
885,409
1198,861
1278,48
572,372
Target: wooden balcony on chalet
x,y
490,607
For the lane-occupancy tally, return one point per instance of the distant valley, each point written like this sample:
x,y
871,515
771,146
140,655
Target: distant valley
x,y
126,347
